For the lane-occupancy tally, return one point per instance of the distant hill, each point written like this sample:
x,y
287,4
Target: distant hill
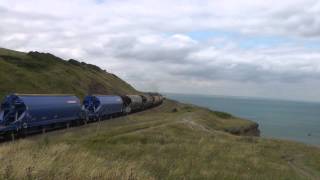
x,y
36,72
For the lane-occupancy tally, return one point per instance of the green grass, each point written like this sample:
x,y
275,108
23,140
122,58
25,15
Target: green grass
x,y
158,144
45,73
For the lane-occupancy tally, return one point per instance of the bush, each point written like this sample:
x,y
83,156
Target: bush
x,y
223,115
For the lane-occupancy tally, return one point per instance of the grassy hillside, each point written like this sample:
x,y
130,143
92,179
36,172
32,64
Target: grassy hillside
x,y
36,72
173,141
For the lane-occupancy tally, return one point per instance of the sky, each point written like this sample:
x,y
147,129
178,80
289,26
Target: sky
x,y
254,48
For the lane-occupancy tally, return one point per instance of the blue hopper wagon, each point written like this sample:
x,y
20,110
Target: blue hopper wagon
x,y
28,112
102,106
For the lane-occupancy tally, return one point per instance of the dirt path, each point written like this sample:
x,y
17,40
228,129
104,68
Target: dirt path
x,y
187,119
303,171
193,124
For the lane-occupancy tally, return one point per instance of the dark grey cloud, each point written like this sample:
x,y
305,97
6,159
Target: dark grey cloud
x,y
244,72
149,48
300,19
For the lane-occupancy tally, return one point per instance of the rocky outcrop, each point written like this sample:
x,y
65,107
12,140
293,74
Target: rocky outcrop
x,y
252,130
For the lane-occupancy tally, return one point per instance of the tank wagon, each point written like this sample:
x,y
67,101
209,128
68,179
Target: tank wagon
x,y
21,112
98,107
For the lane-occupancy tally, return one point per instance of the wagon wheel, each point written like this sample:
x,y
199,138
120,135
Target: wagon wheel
x,y
86,119
24,130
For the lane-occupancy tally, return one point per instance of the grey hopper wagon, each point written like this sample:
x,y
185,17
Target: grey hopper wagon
x,y
136,103
147,101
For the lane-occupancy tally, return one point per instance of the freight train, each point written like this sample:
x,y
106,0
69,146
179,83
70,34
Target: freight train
x,y
21,114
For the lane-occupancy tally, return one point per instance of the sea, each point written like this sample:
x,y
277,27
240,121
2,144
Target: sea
x,y
281,119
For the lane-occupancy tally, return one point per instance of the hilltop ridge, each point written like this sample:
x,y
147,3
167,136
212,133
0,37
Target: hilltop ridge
x,y
36,72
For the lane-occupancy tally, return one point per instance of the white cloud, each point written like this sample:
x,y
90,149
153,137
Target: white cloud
x,y
149,42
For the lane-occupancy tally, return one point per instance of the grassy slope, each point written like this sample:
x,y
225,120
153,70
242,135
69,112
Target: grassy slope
x,y
158,144
45,73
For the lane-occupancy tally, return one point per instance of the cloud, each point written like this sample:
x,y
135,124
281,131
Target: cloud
x,y
155,45
153,48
